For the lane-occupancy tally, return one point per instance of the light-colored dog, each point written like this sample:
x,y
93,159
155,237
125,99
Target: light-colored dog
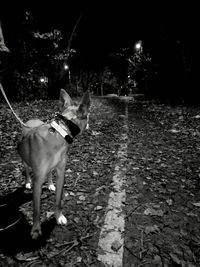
x,y
44,148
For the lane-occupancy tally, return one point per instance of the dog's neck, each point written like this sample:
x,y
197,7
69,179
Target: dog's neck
x,y
73,128
66,128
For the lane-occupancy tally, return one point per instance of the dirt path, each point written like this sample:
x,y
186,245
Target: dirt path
x,y
162,223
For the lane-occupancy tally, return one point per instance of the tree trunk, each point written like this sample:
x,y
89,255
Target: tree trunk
x,y
3,47
101,89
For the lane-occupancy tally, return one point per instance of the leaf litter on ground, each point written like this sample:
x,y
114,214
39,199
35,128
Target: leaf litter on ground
x,y
162,205
164,148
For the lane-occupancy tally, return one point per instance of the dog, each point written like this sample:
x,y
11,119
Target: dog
x,y
44,146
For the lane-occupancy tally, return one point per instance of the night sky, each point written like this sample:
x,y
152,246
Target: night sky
x,y
105,25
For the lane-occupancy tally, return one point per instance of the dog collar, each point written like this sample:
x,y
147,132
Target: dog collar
x,y
62,132
73,128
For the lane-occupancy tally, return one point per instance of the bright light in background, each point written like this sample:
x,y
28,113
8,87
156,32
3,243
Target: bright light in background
x,y
43,79
66,67
138,46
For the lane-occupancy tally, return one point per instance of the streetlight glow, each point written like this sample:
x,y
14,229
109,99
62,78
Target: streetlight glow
x,y
43,79
138,46
66,67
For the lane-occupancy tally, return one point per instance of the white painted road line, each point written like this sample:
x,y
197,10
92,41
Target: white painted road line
x,y
111,240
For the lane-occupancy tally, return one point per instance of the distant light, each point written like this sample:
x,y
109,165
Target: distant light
x,y
66,67
138,46
43,79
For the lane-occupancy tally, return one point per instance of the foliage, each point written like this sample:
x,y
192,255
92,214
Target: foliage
x,y
139,72
65,54
139,69
109,81
29,87
39,54
54,35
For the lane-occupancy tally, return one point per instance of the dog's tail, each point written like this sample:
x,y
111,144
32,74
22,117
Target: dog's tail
x,y
16,116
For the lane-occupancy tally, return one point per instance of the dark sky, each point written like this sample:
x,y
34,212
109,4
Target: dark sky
x,y
106,25
109,24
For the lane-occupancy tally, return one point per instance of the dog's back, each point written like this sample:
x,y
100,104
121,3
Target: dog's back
x,y
30,125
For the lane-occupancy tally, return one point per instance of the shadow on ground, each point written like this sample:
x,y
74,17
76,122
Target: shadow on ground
x,y
14,228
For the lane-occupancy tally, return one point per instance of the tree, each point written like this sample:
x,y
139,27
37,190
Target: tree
x,y
4,51
139,68
58,60
39,59
139,71
108,81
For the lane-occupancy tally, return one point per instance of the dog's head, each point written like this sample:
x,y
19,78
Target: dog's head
x,y
77,113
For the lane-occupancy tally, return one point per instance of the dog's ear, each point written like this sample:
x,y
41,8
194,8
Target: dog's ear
x,y
65,100
84,105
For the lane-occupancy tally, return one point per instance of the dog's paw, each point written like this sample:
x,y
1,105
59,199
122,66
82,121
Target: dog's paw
x,y
36,232
62,220
51,187
87,126
28,185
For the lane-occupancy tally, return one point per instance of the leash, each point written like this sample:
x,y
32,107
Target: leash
x,y
16,116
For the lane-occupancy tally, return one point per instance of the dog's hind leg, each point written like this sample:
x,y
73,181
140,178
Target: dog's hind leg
x,y
28,183
28,176
38,181
60,169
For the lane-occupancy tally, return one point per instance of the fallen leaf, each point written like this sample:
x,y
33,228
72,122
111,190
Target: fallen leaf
x,y
175,259
76,219
79,259
116,245
49,214
197,204
82,198
95,133
153,212
169,202
99,208
151,229
196,117
174,131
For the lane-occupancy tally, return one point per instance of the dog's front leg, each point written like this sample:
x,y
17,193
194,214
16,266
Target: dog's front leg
x,y
51,186
60,169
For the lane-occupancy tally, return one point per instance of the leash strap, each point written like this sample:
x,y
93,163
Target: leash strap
x,y
4,95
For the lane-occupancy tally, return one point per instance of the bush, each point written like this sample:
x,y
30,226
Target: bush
x,y
29,87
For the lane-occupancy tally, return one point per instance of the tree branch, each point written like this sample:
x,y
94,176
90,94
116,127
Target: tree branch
x,y
73,32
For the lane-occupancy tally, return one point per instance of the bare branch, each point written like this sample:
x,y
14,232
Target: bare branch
x,y
73,32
